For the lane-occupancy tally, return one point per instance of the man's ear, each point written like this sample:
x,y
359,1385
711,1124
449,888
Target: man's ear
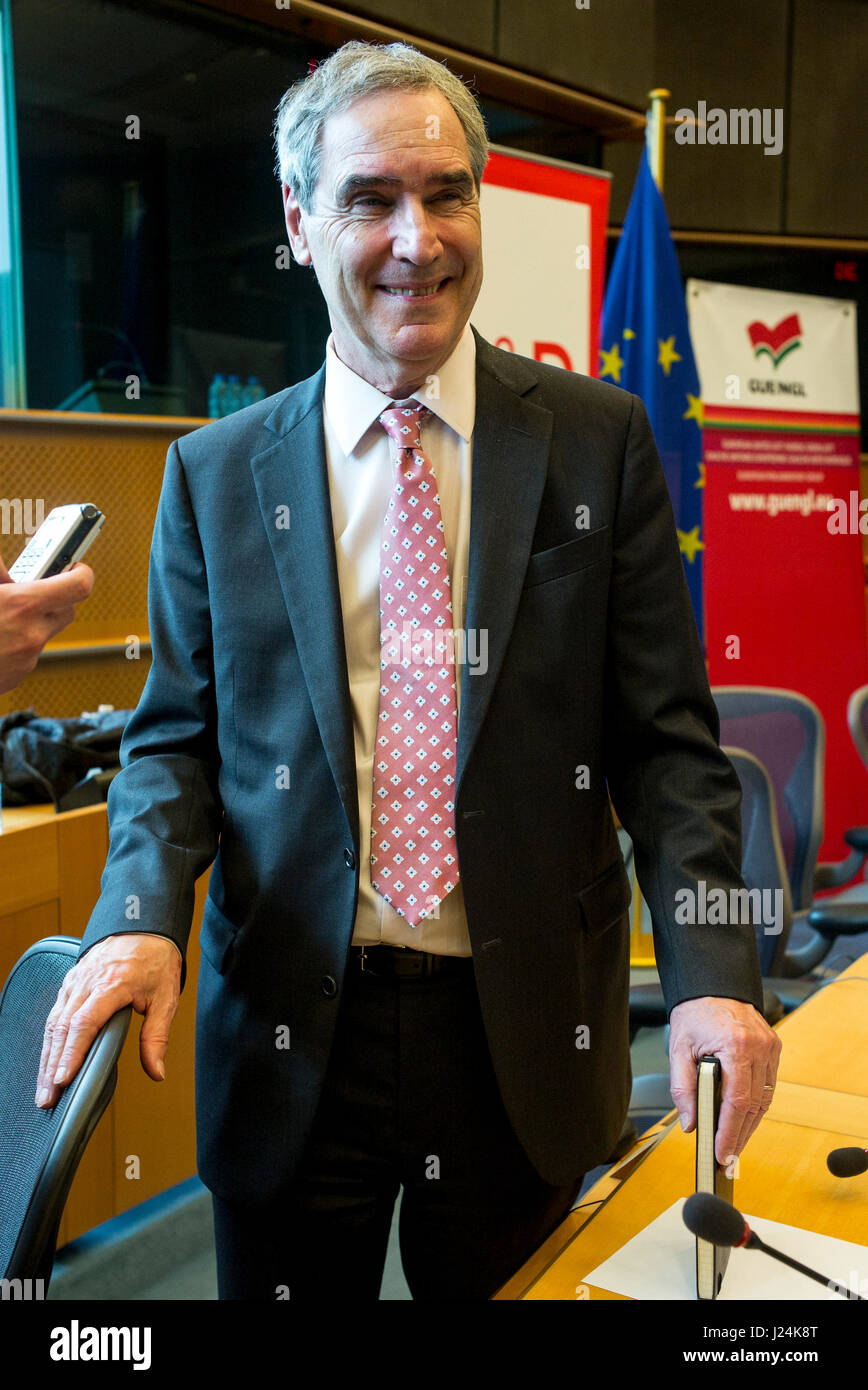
x,y
294,218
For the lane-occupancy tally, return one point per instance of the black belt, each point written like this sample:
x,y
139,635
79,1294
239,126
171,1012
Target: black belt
x,y
405,963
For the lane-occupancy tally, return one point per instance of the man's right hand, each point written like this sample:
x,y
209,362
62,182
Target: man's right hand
x,y
31,613
130,968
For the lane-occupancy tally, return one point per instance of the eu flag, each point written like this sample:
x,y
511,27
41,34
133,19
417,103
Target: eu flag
x,y
646,349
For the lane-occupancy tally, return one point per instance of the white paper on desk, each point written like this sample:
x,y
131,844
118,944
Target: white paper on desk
x,y
660,1263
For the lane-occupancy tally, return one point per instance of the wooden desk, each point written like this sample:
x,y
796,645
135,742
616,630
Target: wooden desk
x,y
50,870
820,1103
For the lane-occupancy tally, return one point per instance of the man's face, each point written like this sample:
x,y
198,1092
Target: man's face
x,y
395,210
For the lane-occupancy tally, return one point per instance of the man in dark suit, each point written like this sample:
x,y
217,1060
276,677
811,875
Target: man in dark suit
x,y
414,947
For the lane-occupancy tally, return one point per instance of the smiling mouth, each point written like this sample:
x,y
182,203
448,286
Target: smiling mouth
x,y
422,292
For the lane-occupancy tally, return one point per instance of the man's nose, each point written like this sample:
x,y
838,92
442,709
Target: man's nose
x,y
414,234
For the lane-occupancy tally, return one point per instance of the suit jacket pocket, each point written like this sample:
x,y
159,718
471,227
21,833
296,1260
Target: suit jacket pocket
x,y
217,936
564,559
604,902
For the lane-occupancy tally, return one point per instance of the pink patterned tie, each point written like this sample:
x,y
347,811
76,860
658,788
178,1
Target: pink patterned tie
x,y
413,860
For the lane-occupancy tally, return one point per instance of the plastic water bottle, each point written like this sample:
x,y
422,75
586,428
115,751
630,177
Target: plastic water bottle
x,y
254,391
232,395
216,392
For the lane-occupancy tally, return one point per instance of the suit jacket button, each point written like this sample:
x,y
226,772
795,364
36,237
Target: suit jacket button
x,y
349,859
329,986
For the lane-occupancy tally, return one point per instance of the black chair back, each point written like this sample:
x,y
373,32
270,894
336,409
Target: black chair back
x,y
786,732
762,860
40,1150
857,721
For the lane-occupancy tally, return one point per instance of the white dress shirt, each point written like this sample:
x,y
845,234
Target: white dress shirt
x,y
361,463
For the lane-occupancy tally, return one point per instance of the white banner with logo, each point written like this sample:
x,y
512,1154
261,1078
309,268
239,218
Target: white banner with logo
x,y
783,521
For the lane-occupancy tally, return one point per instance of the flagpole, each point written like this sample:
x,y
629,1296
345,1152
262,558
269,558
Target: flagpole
x,y
645,318
655,132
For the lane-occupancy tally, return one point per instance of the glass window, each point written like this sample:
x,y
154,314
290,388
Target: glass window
x,y
11,317
151,215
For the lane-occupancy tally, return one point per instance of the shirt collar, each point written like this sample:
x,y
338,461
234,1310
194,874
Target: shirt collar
x,y
353,404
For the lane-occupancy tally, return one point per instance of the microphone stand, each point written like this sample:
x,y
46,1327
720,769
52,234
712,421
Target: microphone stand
x,y
753,1242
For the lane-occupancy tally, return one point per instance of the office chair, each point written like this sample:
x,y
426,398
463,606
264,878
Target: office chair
x,y
846,913
763,867
785,731
40,1150
857,836
857,721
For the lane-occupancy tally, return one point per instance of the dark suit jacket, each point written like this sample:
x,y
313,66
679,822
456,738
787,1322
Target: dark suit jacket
x,y
593,660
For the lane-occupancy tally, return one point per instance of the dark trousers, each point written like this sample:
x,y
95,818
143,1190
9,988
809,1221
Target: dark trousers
x,y
410,1099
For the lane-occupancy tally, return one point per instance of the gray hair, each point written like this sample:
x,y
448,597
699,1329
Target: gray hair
x,y
356,70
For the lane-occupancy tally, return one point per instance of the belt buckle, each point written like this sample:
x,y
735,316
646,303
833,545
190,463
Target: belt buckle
x,y
364,956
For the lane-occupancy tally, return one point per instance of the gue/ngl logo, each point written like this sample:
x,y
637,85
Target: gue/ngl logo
x,y
778,342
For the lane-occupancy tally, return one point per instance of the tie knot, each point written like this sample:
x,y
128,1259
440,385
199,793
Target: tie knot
x,y
403,423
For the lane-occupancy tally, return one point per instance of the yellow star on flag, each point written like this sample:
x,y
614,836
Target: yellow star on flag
x,y
694,410
701,481
612,363
628,333
689,543
667,354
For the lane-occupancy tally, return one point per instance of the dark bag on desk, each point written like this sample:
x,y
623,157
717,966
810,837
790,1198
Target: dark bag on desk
x,y
66,761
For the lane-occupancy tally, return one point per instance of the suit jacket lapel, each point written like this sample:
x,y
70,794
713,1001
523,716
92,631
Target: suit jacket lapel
x,y
293,472
511,441
510,458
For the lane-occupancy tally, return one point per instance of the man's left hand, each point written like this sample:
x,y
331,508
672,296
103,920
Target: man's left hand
x,y
748,1050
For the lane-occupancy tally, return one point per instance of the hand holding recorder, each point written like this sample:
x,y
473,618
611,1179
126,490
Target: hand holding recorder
x,y
38,595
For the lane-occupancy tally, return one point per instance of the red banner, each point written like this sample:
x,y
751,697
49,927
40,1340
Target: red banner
x,y
783,518
544,250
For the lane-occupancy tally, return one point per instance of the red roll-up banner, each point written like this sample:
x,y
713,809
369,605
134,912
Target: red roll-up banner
x,y
544,253
784,573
